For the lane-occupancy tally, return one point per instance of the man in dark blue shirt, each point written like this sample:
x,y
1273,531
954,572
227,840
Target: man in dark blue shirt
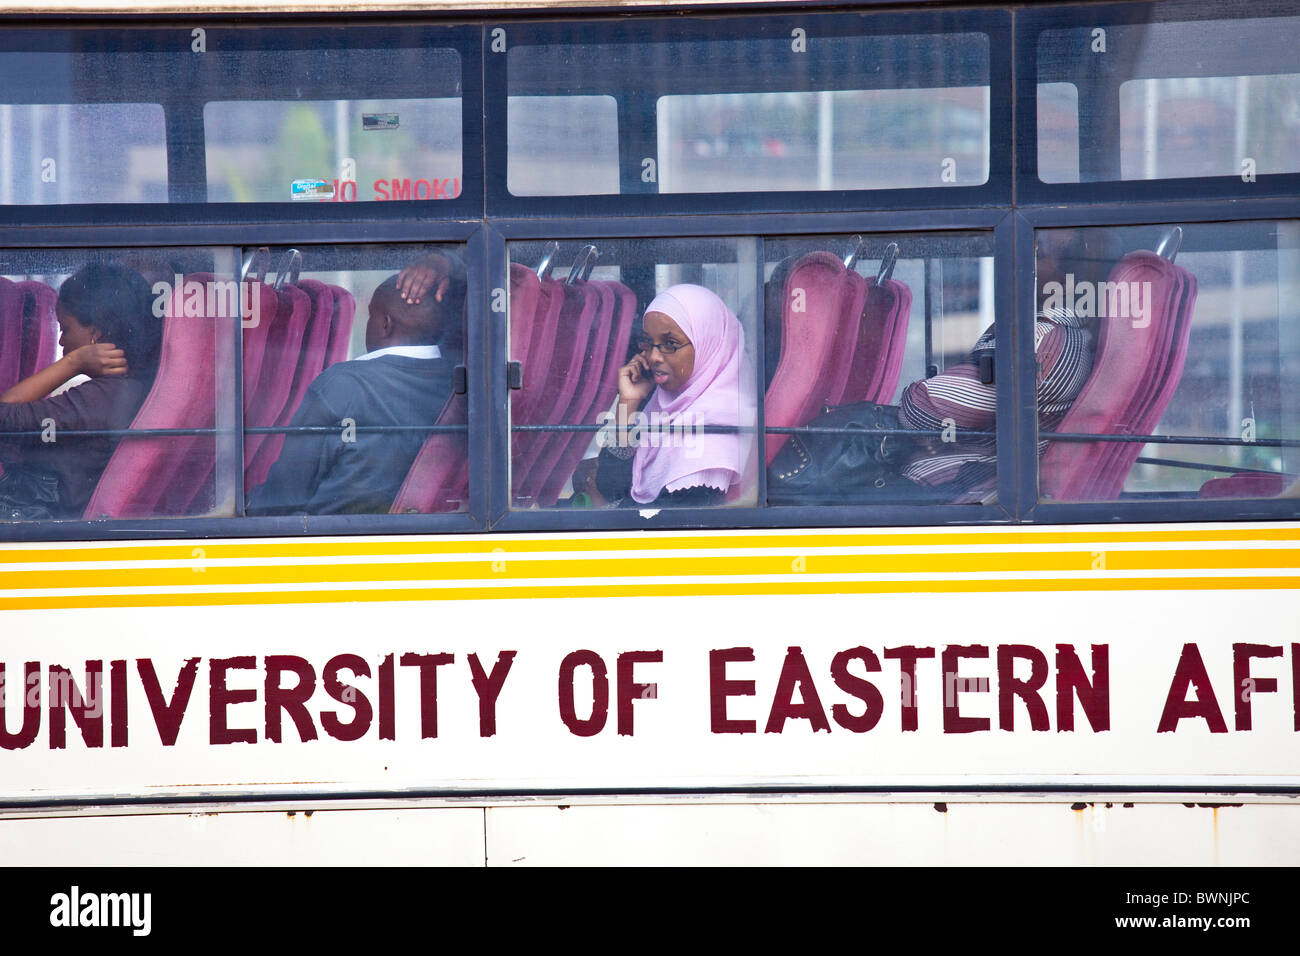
x,y
403,379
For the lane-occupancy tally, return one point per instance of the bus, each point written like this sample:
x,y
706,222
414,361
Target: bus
x,y
717,433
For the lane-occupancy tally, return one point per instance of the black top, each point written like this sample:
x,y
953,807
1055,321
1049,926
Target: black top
x,y
614,481
100,404
346,471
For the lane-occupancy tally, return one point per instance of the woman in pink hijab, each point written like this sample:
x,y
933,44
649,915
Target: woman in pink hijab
x,y
690,372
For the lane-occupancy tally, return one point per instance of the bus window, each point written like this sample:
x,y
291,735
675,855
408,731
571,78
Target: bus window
x,y
677,112
841,139
1193,373
333,150
635,371
1217,97
879,370
116,383
350,399
55,153
540,135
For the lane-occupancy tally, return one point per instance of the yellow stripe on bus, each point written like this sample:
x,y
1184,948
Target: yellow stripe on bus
x,y
674,589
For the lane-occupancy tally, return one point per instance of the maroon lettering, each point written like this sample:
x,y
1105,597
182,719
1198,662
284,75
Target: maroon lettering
x,y
87,711
859,687
31,704
387,708
1094,694
953,684
795,674
1011,687
363,713
291,700
488,688
428,190
117,702
907,657
1295,687
720,688
167,716
1245,686
628,689
220,697
594,724
1191,673
428,664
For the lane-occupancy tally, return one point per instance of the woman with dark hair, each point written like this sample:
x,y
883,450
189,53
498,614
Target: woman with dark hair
x,y
108,331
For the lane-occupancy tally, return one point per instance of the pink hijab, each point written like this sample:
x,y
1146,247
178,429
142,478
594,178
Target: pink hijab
x,y
717,393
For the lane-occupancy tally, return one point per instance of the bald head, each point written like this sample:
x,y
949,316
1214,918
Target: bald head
x,y
395,322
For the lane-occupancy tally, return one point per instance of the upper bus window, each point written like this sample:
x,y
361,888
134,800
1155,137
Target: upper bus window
x,y
116,383
339,150
82,153
1168,100
780,112
350,396
1191,378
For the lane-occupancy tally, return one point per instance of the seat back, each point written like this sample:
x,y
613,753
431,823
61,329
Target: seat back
x,y
560,376
438,480
40,328
882,339
820,309
265,398
11,333
600,378
162,475
1136,370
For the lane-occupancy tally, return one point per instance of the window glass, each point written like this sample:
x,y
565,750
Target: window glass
x,y
117,383
748,114
843,139
1171,100
879,374
82,153
540,137
620,408
339,150
350,401
1194,361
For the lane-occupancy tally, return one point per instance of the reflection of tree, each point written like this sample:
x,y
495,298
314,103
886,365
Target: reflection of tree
x,y
302,150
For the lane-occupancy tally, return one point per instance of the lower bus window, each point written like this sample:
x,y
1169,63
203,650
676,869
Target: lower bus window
x,y
879,370
116,392
1192,377
636,373
350,395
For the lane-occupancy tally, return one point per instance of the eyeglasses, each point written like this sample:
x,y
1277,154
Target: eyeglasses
x,y
645,347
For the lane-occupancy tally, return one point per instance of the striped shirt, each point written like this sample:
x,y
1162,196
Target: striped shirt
x,y
956,400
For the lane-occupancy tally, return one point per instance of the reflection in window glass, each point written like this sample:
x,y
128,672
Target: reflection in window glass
x,y
88,385
885,348
674,115
541,132
621,405
1058,132
1198,355
1108,109
82,153
1209,126
349,404
341,151
846,139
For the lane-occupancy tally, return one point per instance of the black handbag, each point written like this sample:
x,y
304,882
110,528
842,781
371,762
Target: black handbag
x,y
850,463
28,494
